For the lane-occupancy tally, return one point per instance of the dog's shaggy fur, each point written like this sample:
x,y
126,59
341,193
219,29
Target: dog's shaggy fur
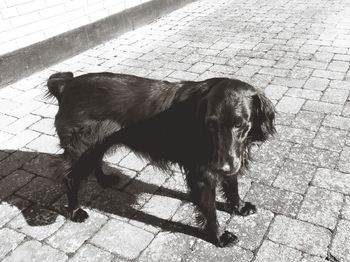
x,y
205,127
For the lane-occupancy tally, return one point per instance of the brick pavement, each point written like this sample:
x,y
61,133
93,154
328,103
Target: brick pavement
x,y
297,51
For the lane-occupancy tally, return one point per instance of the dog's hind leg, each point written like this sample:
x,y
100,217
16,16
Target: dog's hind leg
x,y
236,204
95,158
104,180
74,183
108,130
76,170
65,171
202,190
82,157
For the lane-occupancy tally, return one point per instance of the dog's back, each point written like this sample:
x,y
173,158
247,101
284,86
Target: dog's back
x,y
126,99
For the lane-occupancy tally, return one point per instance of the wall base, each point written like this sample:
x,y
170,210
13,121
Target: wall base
x,y
28,60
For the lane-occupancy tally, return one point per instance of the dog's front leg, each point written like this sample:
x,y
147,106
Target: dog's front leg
x,y
236,204
202,190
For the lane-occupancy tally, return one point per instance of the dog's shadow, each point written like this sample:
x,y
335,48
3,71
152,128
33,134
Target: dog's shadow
x,y
42,199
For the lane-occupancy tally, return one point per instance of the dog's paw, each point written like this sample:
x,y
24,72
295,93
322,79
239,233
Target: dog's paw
x,y
244,209
78,215
227,239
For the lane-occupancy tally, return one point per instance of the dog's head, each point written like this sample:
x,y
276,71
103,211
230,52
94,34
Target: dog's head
x,y
235,115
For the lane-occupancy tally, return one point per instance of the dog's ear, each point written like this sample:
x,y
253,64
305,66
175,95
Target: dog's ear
x,y
202,108
263,118
211,122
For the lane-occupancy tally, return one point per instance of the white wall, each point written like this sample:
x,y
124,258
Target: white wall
x,y
25,22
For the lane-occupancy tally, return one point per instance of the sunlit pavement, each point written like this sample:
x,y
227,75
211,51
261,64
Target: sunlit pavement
x,y
297,51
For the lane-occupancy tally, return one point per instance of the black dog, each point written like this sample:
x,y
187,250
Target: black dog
x,y
206,127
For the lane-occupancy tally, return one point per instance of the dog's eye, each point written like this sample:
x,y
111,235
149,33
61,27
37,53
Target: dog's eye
x,y
238,123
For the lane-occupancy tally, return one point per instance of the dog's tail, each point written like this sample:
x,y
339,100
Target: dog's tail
x,y
56,84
